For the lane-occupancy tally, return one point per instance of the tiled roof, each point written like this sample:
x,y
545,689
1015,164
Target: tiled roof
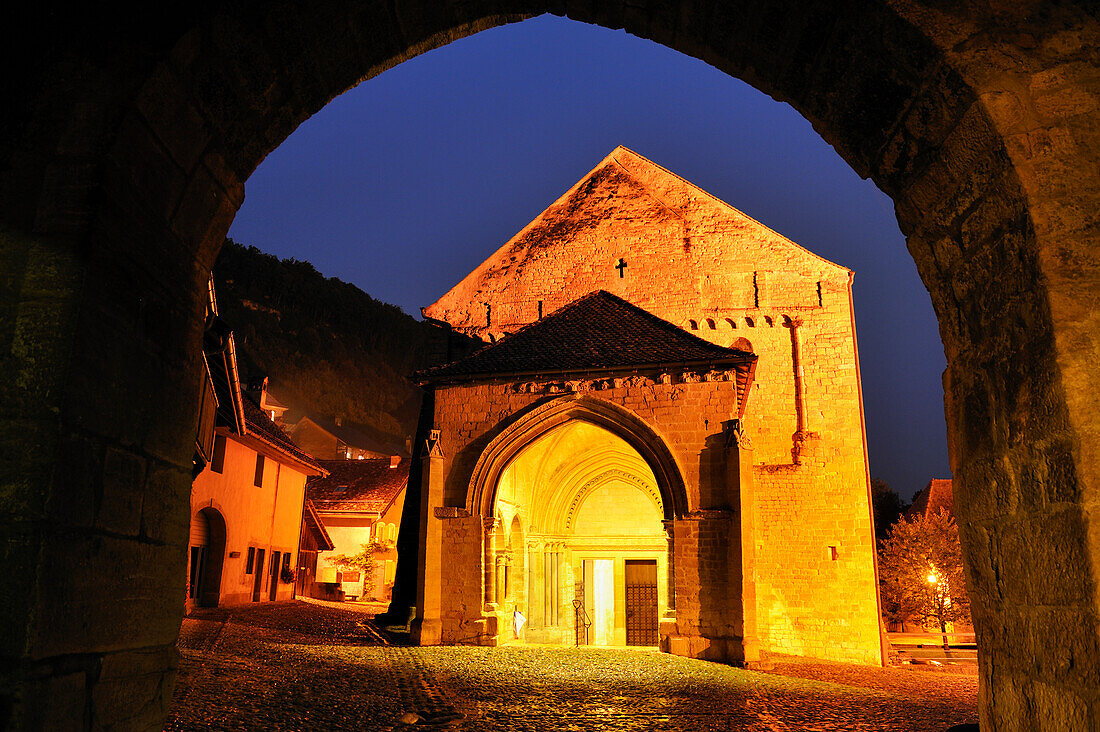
x,y
354,435
358,485
598,332
936,495
261,426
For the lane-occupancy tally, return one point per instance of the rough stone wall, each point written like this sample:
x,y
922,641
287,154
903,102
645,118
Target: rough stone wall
x,y
809,602
699,263
463,581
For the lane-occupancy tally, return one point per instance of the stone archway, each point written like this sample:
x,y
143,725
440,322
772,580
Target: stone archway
x,y
534,423
127,141
577,495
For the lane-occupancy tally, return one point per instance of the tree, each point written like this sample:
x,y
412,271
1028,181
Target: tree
x,y
363,561
921,572
887,506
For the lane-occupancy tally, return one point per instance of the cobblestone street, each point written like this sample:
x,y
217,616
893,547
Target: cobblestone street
x,y
305,666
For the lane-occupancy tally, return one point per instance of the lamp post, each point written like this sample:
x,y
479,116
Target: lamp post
x,y
941,599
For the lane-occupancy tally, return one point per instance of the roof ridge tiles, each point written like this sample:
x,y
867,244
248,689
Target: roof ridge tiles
x,y
628,336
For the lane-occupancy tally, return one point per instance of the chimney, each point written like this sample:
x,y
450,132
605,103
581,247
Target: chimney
x,y
394,460
339,421
409,445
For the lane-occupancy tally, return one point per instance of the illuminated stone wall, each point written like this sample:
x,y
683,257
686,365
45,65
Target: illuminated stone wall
x,y
699,263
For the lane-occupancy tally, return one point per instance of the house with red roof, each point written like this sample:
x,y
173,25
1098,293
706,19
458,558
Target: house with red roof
x,y
360,502
248,495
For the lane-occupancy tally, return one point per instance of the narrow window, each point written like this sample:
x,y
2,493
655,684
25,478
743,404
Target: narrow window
x,y
251,561
540,309
258,480
286,561
819,298
488,315
217,463
833,553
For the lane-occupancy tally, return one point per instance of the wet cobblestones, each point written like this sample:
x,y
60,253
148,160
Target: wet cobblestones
x,y
309,667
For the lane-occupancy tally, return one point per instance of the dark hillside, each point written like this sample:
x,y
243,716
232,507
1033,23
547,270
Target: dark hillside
x,y
328,347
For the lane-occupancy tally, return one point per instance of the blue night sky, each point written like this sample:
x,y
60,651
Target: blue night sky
x,y
407,182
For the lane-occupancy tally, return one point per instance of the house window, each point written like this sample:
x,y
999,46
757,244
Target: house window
x,y
259,479
286,561
250,564
217,462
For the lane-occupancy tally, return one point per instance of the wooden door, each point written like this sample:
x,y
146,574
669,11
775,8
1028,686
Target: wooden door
x,y
258,576
641,602
275,557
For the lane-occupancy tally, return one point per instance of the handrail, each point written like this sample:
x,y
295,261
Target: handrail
x,y
578,608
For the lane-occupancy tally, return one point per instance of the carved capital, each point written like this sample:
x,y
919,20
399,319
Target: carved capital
x,y
736,435
432,446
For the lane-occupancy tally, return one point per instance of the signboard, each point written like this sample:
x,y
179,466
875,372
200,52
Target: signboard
x,y
349,576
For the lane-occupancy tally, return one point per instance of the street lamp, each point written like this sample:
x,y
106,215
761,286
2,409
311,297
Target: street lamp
x,y
941,601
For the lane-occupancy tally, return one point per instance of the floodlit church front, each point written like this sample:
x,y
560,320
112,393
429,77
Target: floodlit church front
x,y
662,446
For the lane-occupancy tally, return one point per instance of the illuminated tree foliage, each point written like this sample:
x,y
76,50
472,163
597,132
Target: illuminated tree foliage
x,y
363,561
921,572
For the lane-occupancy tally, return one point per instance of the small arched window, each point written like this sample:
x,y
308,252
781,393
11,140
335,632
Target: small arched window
x,y
749,322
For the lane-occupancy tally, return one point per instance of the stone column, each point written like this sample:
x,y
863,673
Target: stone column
x,y
670,534
427,628
502,580
666,625
489,562
739,481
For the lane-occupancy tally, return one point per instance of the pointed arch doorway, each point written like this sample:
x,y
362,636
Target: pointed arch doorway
x,y
584,524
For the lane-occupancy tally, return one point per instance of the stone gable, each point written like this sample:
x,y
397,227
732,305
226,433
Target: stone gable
x,y
687,255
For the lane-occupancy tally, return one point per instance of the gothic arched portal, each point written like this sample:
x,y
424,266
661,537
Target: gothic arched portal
x,y
580,506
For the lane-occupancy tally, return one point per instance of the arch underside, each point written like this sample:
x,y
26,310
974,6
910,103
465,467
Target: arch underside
x,y
640,444
130,138
579,507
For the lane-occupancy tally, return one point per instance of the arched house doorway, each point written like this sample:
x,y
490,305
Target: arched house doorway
x,y
128,139
206,556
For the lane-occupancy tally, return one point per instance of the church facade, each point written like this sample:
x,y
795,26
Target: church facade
x,y
663,444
